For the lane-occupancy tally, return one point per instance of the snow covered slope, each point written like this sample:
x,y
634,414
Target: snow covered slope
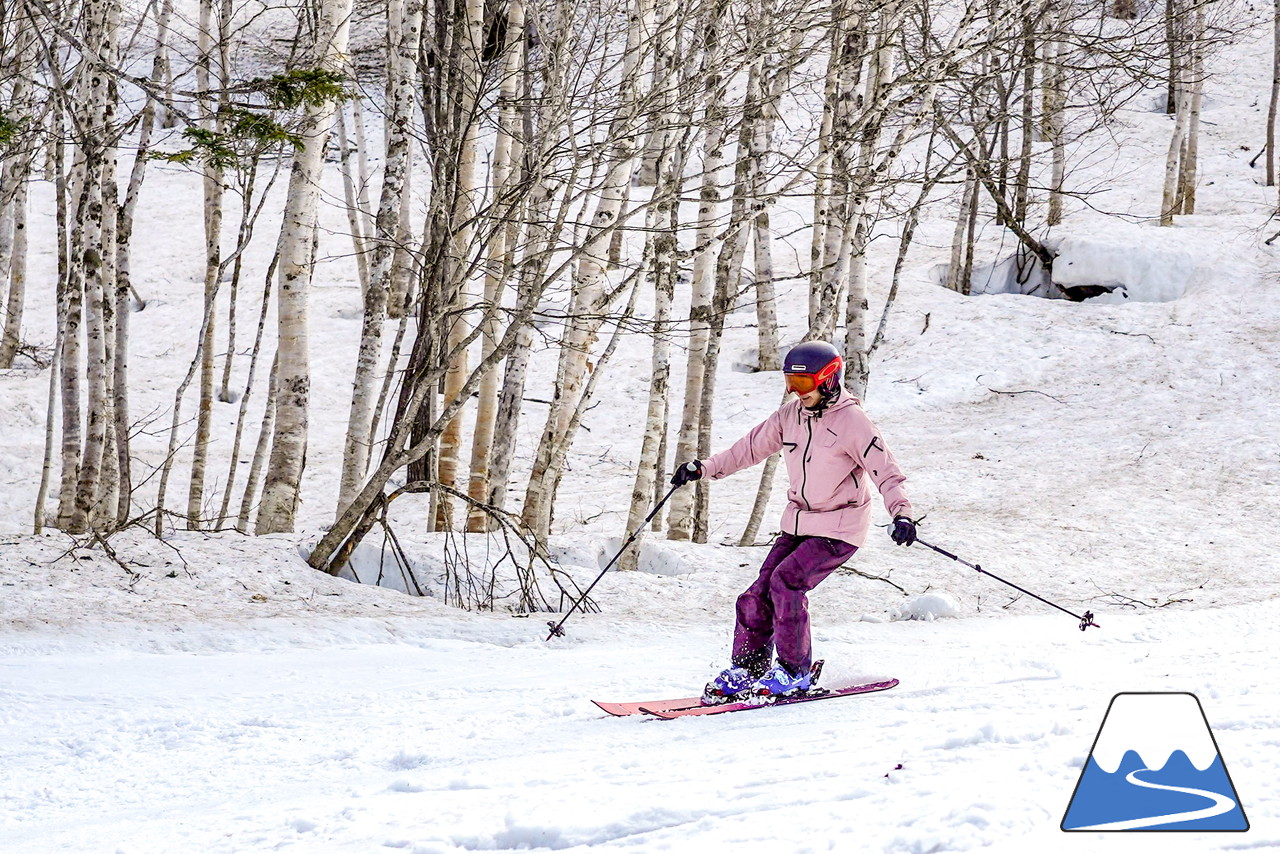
x,y
1121,456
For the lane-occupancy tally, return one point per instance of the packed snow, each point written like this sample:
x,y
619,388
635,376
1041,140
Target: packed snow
x,y
211,693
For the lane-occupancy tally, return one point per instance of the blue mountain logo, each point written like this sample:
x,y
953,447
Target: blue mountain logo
x,y
1155,765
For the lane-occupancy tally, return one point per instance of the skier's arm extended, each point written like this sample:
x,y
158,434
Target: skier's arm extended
x,y
871,451
761,441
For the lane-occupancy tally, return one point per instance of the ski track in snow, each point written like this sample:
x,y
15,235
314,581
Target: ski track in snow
x,y
1221,804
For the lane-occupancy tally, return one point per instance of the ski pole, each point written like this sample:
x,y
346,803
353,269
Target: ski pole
x,y
1086,619
557,629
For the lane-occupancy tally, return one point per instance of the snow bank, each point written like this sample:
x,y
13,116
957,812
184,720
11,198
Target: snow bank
x,y
1132,263
930,607
1142,264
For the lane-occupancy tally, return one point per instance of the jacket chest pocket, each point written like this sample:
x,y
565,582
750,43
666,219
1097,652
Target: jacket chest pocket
x,y
825,437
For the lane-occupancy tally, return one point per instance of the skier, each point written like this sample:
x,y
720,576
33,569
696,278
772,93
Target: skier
x,y
831,449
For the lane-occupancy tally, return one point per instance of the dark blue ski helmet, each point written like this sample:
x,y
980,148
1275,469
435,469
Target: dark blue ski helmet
x,y
814,364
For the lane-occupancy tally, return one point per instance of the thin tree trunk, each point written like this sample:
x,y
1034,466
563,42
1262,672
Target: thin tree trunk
x,y
1173,162
402,264
355,217
70,305
1022,183
1174,79
680,515
124,277
241,418
50,431
663,245
359,438
1055,116
506,156
822,194
96,94
214,190
1190,164
259,451
15,223
466,205
107,498
281,491
1274,103
590,296
959,246
761,143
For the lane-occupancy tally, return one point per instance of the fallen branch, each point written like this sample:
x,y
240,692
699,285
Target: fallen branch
x,y
885,578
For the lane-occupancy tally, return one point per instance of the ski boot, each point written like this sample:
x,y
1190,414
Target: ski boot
x,y
730,686
779,682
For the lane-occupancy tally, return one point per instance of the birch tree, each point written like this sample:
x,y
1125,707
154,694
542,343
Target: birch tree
x,y
213,33
466,203
590,296
401,70
18,114
680,516
93,247
281,490
502,219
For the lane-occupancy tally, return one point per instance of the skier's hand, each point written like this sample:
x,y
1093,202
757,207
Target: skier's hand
x,y
686,472
903,531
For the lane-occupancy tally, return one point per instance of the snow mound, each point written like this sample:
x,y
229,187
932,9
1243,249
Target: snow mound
x,y
1128,263
1150,265
929,607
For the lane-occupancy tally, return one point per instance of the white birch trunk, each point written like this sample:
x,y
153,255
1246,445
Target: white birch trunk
x,y
822,179
1055,118
281,490
70,313
365,386
1274,103
96,94
14,171
13,266
106,504
468,190
589,280
647,471
402,256
213,214
680,516
505,156
661,221
1191,163
770,358
959,246
1173,160
247,505
350,195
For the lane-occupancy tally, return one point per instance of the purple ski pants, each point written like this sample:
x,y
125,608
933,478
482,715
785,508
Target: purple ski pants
x,y
774,611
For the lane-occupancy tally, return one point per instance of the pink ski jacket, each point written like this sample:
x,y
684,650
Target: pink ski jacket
x,y
831,458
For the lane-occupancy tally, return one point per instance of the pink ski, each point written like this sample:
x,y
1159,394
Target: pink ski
x,y
670,713
624,709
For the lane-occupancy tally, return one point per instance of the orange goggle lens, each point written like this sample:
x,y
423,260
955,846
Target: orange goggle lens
x,y
801,383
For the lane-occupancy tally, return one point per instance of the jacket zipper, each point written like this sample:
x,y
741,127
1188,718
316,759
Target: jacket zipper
x,y
804,470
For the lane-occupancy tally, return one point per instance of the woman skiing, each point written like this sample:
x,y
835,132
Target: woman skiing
x,y
831,449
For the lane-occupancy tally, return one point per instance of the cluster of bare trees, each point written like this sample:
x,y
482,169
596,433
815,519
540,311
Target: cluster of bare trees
x,y
549,172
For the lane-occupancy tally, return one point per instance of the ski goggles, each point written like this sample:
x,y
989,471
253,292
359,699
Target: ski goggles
x,y
803,383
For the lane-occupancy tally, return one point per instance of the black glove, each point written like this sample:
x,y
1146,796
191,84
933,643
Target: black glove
x,y
903,531
686,472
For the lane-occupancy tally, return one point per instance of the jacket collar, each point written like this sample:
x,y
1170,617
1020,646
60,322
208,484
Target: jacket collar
x,y
842,401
